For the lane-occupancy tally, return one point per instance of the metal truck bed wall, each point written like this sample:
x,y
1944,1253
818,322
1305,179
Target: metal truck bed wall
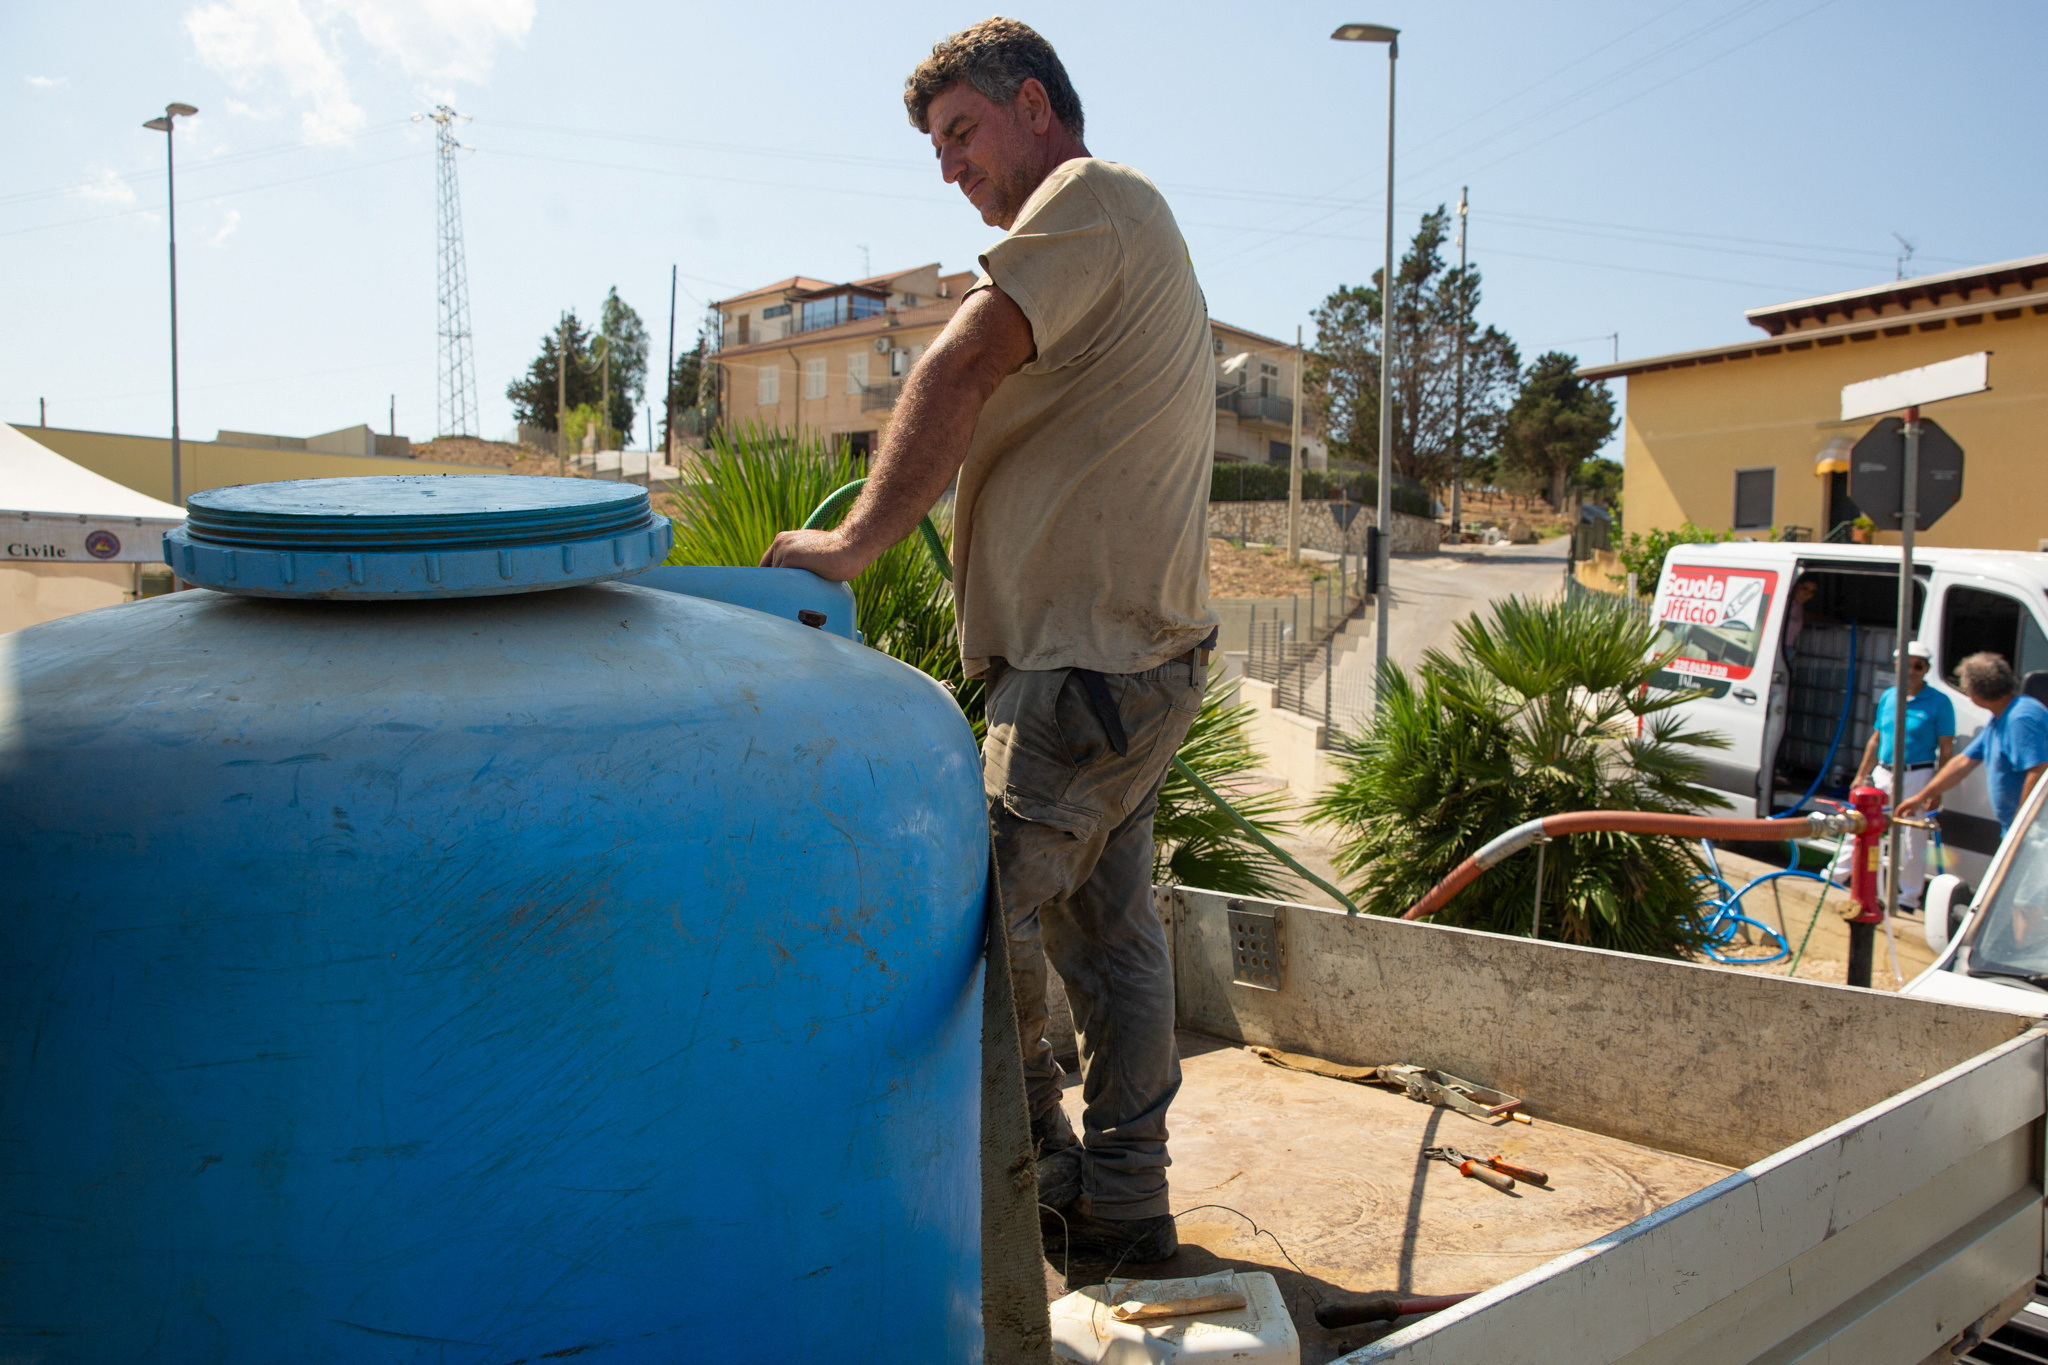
x,y
1892,1148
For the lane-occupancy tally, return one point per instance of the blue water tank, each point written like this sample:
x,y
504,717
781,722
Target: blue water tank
x,y
420,950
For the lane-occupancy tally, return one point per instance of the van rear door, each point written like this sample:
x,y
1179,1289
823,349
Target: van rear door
x,y
1720,608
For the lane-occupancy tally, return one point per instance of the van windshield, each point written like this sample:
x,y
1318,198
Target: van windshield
x,y
1715,619
2012,937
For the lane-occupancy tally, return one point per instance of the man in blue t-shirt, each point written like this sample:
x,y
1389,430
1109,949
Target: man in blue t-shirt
x,y
2012,749
1930,742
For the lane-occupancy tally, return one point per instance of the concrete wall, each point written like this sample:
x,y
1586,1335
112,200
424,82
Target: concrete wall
x,y
1704,1061
1689,429
32,592
143,463
1266,523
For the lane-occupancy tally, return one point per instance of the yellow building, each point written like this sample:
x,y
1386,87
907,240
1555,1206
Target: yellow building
x,y
143,463
805,353
1747,437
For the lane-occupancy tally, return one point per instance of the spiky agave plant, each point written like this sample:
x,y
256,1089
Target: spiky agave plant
x,y
757,481
1542,709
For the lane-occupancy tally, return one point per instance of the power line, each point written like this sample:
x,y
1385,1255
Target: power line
x,y
199,164
213,198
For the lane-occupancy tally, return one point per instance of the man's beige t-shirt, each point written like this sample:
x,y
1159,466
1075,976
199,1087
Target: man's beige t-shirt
x,y
1081,521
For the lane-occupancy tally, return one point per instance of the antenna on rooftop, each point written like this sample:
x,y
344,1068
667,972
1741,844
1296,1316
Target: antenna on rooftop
x,y
455,378
1904,256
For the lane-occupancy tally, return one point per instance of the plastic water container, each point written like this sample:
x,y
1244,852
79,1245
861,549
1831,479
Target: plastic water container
x,y
418,948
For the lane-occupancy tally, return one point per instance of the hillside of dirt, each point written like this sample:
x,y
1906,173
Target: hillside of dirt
x,y
513,459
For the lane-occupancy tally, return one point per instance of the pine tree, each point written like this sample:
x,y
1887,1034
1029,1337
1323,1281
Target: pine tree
x,y
1558,421
1433,303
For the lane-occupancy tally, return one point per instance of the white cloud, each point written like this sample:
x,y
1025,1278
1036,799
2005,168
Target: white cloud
x,y
107,188
228,224
295,46
47,82
441,40
256,43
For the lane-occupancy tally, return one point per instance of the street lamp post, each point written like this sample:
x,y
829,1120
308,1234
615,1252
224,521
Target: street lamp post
x,y
165,125
1380,33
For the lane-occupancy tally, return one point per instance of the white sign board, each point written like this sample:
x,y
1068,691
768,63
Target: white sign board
x,y
56,538
1910,388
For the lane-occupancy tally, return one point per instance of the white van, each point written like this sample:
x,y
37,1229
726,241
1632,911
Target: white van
x,y
1797,720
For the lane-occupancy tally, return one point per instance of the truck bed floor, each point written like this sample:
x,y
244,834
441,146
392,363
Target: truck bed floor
x,y
1334,1173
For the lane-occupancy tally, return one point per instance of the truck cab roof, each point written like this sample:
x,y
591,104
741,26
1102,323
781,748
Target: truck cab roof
x,y
2017,566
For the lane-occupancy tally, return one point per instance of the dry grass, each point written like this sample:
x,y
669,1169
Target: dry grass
x,y
513,459
1255,572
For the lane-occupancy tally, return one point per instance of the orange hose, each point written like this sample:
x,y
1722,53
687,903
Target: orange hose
x,y
1622,822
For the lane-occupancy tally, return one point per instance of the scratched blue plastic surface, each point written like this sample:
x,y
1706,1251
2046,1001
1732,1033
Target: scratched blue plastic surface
x,y
779,592
482,980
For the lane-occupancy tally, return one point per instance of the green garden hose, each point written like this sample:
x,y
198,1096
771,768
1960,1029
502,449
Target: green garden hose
x,y
841,498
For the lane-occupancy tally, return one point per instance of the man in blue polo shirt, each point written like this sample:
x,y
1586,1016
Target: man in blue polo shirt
x,y
2012,749
1930,742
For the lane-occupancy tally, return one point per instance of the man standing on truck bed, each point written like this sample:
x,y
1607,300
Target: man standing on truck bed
x,y
1073,392
2012,748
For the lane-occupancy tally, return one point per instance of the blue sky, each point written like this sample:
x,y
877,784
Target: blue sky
x,y
1645,168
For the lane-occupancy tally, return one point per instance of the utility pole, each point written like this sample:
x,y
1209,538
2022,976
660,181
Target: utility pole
x,y
42,412
456,372
164,125
562,399
668,384
1294,463
394,414
1383,616
1464,326
604,411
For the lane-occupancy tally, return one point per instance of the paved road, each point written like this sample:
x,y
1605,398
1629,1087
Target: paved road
x,y
1432,594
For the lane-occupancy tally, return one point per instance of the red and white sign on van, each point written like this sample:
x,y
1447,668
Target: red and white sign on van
x,y
1714,618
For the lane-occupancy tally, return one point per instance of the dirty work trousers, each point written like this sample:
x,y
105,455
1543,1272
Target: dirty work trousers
x,y
1072,823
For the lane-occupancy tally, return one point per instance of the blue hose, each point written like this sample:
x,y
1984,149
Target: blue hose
x,y
1841,725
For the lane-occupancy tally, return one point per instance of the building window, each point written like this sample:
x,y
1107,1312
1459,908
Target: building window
x,y
1974,621
1276,452
814,379
840,308
780,310
856,372
1216,344
745,318
1754,489
899,363
767,385
910,300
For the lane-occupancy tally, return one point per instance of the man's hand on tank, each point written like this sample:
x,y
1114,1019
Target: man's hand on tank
x,y
824,553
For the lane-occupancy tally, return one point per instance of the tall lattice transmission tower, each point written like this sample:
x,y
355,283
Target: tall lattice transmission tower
x,y
455,380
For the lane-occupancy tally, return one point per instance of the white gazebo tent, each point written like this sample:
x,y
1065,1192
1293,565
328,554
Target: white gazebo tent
x,y
70,540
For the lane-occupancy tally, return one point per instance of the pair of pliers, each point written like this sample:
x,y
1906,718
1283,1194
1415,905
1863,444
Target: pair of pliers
x,y
1494,1170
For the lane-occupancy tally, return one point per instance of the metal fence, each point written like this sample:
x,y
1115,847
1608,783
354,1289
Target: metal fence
x,y
1637,607
1300,647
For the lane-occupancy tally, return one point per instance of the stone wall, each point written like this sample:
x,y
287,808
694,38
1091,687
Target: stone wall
x,y
1322,526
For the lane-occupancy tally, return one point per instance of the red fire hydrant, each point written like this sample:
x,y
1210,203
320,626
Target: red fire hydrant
x,y
1863,891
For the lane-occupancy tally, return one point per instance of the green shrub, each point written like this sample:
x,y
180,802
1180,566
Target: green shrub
x,y
1643,555
1537,714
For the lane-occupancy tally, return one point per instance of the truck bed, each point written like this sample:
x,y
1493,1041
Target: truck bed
x,y
1746,1170
1334,1172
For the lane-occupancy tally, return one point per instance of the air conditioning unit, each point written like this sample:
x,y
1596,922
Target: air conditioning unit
x,y
881,345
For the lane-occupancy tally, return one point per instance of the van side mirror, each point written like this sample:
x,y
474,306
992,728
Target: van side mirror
x,y
1947,905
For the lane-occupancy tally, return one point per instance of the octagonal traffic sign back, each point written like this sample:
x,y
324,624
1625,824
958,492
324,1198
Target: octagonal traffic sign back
x,y
1877,470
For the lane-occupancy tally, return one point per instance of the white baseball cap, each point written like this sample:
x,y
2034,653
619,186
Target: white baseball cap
x,y
1919,650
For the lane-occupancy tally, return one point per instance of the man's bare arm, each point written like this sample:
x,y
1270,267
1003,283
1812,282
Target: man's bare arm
x,y
1952,772
986,341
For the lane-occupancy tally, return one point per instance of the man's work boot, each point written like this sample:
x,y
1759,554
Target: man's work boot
x,y
1083,1239
1059,1159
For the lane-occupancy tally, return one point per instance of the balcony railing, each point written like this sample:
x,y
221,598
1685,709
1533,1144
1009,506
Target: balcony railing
x,y
880,397
1256,407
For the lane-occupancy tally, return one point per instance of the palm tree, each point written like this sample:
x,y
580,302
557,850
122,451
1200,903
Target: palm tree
x,y
756,481
1544,708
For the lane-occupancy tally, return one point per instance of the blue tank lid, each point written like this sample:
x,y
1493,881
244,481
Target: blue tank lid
x,y
415,536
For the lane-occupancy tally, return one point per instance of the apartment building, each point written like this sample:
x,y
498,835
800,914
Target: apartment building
x,y
807,353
